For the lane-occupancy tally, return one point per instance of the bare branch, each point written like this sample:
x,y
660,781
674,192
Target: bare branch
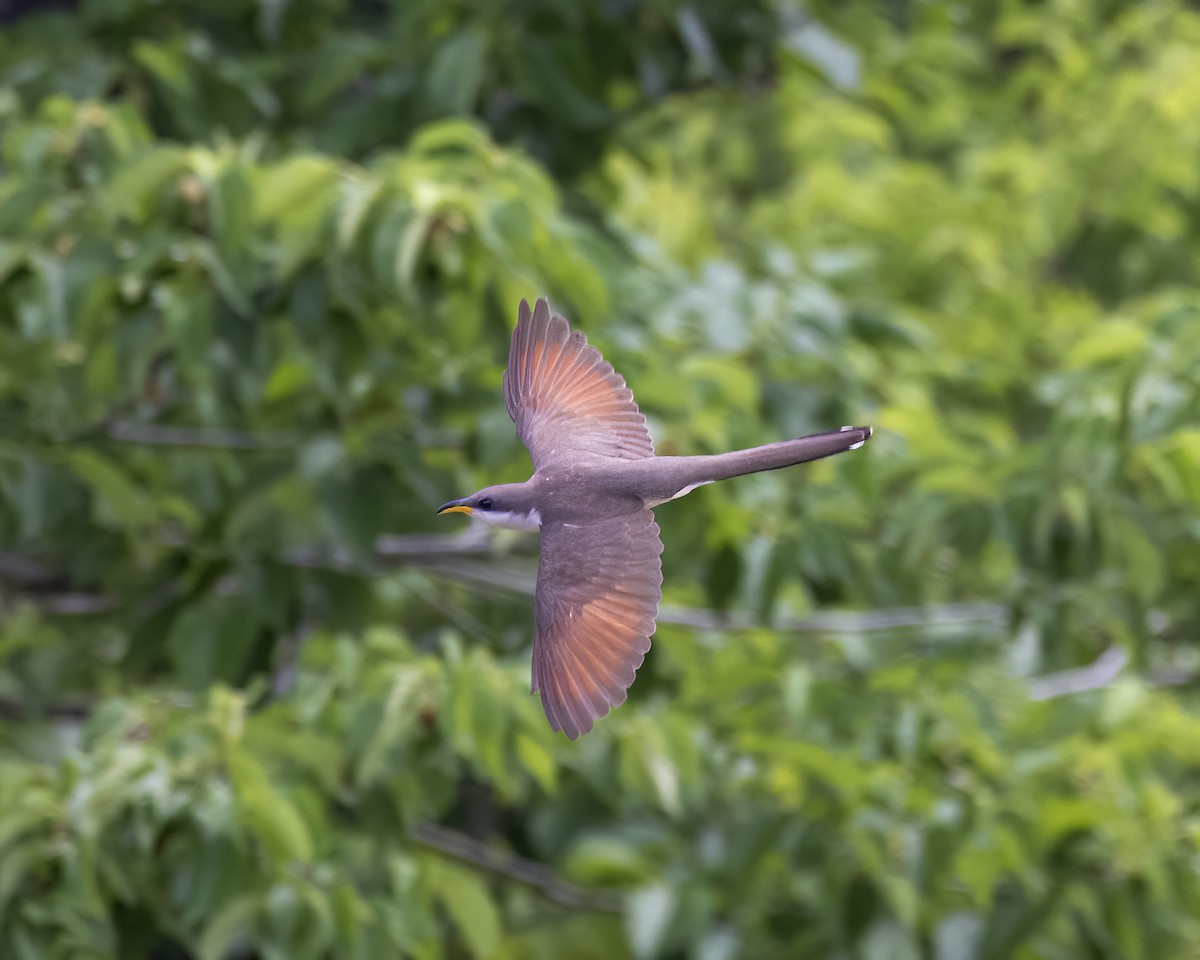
x,y
424,550
530,872
1096,675
34,579
155,434
74,711
23,571
76,603
943,615
450,557
954,614
472,541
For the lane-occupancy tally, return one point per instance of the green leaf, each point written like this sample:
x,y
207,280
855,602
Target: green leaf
x,y
469,904
120,503
1117,340
140,186
269,815
453,79
228,927
536,760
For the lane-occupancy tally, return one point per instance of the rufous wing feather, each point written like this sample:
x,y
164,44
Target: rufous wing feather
x,y
564,397
599,585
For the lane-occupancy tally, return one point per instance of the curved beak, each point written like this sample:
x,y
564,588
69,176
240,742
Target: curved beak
x,y
455,506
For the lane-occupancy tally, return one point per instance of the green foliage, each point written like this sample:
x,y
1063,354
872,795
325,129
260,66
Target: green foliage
x,y
258,266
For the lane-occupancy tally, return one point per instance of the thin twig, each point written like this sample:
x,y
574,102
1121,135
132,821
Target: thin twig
x,y
699,618
1096,675
23,571
72,710
449,557
473,540
34,579
156,434
287,658
530,872
76,603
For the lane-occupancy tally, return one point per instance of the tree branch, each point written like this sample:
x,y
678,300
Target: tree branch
x,y
530,872
73,710
1096,675
154,434
23,571
450,557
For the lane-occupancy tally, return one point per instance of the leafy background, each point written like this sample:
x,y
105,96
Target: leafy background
x,y
258,266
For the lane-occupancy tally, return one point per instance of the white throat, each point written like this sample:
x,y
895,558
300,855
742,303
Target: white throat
x,y
513,521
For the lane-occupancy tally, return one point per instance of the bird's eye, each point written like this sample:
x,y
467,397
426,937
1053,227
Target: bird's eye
x,y
485,503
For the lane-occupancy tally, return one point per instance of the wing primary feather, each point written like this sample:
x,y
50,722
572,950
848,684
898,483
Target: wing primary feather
x,y
535,334
603,672
618,673
575,700
564,397
562,719
590,694
547,688
596,602
567,721
538,668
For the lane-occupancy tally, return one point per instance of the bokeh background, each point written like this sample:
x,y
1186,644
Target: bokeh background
x,y
259,261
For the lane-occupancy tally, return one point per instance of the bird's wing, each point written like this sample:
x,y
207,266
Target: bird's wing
x,y
565,398
598,590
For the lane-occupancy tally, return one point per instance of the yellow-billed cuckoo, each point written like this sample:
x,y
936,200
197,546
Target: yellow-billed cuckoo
x,y
595,484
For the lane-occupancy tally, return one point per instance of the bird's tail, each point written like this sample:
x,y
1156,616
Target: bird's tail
x,y
786,453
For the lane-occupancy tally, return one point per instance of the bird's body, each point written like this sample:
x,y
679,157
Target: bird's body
x,y
596,482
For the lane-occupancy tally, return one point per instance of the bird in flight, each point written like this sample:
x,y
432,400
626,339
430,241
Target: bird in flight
x,y
595,484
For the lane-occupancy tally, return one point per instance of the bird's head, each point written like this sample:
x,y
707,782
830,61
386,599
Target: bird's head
x,y
505,505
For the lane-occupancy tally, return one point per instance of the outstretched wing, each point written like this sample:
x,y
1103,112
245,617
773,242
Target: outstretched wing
x,y
565,398
598,590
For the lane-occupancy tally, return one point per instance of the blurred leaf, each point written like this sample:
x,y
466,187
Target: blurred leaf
x,y
120,502
651,910
452,82
269,815
227,927
466,899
